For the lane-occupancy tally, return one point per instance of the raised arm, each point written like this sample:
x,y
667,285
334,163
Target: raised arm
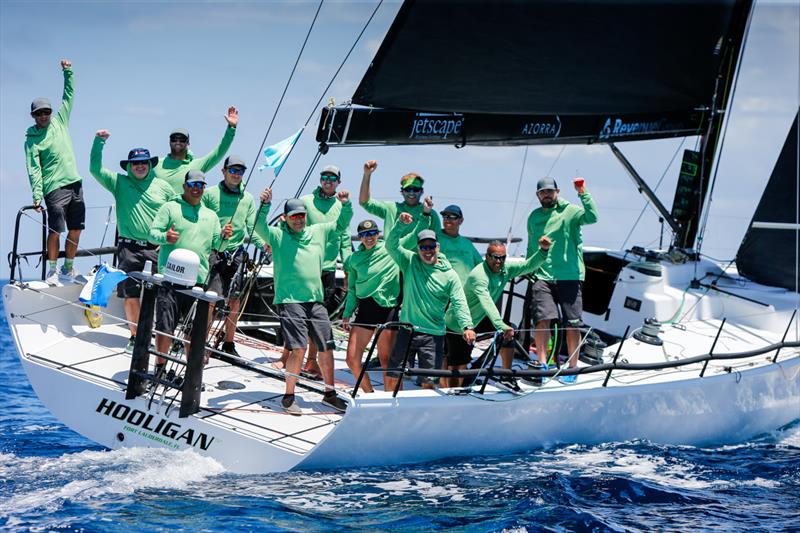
x,y
69,91
400,255
346,213
533,262
104,176
364,193
210,160
589,212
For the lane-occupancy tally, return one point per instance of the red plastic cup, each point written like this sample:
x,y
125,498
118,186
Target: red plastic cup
x,y
578,182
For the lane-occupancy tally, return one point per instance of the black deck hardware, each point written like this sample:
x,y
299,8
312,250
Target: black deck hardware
x,y
616,355
713,345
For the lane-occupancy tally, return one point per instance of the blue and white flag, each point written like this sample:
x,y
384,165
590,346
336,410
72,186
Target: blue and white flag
x,y
99,286
277,153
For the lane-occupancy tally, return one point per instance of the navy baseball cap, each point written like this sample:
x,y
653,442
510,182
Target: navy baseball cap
x,y
453,210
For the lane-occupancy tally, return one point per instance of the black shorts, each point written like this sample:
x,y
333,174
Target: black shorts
x,y
226,273
565,294
65,208
131,256
304,320
460,353
427,349
329,289
172,307
369,314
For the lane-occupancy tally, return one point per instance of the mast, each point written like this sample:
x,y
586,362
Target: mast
x,y
698,168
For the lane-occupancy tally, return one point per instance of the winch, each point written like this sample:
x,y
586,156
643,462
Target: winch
x,y
649,332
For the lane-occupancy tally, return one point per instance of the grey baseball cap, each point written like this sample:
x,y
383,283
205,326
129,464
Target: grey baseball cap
x,y
234,161
195,175
332,169
293,207
180,131
40,103
426,235
546,184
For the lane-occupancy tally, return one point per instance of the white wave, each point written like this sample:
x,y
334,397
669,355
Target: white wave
x,y
90,475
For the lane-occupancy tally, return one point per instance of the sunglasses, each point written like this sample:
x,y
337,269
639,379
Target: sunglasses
x,y
427,247
328,177
411,190
370,233
496,257
297,216
139,163
195,184
450,217
43,113
239,171
178,140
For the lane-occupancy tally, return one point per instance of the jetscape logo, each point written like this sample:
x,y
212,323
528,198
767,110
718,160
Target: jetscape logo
x,y
542,129
434,126
157,429
616,127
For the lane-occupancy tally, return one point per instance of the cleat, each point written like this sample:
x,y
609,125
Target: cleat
x,y
290,405
332,400
52,279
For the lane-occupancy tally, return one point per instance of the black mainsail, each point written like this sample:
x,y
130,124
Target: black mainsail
x,y
768,253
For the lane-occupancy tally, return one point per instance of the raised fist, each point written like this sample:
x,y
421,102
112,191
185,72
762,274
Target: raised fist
x,y
427,204
266,195
406,218
370,166
66,63
103,134
545,243
343,196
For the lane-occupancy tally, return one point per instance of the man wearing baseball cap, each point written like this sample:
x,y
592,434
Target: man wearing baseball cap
x,y
429,285
138,196
560,278
236,211
322,206
173,167
54,178
373,286
411,187
459,250
298,252
184,223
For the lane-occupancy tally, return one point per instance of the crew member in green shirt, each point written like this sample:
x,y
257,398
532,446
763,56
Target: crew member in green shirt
x,y
54,178
236,211
373,286
411,189
138,196
458,249
183,223
560,278
173,167
483,288
298,253
429,285
322,206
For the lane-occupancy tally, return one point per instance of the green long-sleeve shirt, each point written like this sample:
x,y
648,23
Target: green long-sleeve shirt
x,y
427,289
226,203
371,274
173,171
298,256
460,252
48,151
322,209
137,200
562,224
199,231
484,287
390,212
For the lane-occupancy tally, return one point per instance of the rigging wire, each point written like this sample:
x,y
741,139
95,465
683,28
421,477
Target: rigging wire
x,y
516,197
647,204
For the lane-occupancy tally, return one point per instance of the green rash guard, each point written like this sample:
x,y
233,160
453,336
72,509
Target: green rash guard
x,y
137,200
48,151
484,287
298,256
371,274
562,224
199,232
390,211
321,209
226,203
460,252
173,171
427,289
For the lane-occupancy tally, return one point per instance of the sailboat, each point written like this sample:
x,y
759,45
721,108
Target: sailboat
x,y
689,351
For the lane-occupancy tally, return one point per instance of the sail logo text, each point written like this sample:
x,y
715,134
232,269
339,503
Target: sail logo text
x,y
428,126
619,128
172,431
542,129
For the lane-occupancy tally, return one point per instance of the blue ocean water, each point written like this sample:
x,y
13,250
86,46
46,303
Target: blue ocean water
x,y
53,479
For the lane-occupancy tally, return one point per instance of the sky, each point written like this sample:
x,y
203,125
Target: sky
x,y
144,68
